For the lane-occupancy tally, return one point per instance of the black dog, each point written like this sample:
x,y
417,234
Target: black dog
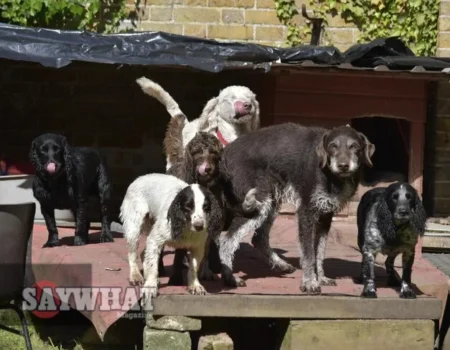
x,y
390,220
65,178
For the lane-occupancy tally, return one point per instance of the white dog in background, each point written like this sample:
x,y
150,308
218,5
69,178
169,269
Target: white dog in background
x,y
233,113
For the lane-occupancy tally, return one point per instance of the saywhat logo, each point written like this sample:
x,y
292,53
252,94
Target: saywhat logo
x,y
45,299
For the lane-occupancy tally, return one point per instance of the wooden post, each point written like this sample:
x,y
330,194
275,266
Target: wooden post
x,y
415,169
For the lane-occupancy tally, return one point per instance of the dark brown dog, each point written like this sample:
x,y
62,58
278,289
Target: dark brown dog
x,y
315,169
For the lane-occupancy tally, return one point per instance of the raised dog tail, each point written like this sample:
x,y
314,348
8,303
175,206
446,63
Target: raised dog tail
x,y
156,91
173,140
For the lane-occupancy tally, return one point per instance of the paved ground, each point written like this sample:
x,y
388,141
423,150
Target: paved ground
x,y
88,266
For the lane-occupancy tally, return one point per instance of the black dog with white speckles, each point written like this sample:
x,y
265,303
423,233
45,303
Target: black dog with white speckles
x,y
390,221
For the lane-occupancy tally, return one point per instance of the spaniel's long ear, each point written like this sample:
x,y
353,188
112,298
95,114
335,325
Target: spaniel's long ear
x,y
369,149
68,162
256,118
215,219
34,158
175,215
419,218
208,119
322,152
189,171
385,220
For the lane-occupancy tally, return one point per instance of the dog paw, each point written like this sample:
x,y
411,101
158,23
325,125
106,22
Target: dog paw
x,y
53,242
176,280
393,282
325,281
106,237
286,269
148,293
369,292
311,287
136,279
196,289
233,281
78,240
407,293
208,275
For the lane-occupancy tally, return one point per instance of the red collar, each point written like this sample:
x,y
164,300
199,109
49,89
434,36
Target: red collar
x,y
221,138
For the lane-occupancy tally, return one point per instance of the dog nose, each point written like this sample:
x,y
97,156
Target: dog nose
x,y
247,105
403,212
343,166
208,169
198,226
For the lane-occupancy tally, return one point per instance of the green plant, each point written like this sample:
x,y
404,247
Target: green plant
x,y
102,16
414,21
286,10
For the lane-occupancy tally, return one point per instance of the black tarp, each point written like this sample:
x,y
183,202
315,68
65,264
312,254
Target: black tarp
x,y
57,48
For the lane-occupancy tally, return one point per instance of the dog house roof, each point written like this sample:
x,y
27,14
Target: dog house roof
x,y
58,48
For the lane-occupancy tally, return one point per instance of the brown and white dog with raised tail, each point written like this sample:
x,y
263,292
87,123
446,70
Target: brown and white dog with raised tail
x,y
234,112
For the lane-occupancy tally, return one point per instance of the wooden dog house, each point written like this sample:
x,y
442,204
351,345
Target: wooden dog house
x,y
390,109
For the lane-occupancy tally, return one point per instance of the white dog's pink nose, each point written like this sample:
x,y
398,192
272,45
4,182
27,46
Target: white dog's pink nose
x,y
51,167
242,108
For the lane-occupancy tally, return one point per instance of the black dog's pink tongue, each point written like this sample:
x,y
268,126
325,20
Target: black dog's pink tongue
x,y
51,167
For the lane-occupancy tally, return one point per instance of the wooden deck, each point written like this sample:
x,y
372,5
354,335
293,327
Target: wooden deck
x,y
267,294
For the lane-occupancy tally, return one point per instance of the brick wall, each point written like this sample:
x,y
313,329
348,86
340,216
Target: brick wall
x,y
443,45
237,20
439,151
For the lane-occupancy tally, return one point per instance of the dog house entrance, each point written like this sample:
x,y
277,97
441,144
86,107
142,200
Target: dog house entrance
x,y
391,158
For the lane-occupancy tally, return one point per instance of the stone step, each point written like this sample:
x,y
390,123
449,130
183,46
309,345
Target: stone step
x,y
359,334
436,238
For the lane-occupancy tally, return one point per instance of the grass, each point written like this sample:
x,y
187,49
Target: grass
x,y
15,341
69,331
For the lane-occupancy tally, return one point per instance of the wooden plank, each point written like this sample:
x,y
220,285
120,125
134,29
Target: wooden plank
x,y
313,307
417,136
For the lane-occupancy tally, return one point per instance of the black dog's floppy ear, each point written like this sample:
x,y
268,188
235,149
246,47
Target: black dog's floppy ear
x,y
419,217
68,157
385,220
369,149
33,156
175,215
322,152
215,218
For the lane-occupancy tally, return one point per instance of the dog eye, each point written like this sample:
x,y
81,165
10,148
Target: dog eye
x,y
206,206
408,196
354,146
395,196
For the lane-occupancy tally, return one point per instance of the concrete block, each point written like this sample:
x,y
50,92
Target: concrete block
x,y
174,323
220,341
166,340
361,334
